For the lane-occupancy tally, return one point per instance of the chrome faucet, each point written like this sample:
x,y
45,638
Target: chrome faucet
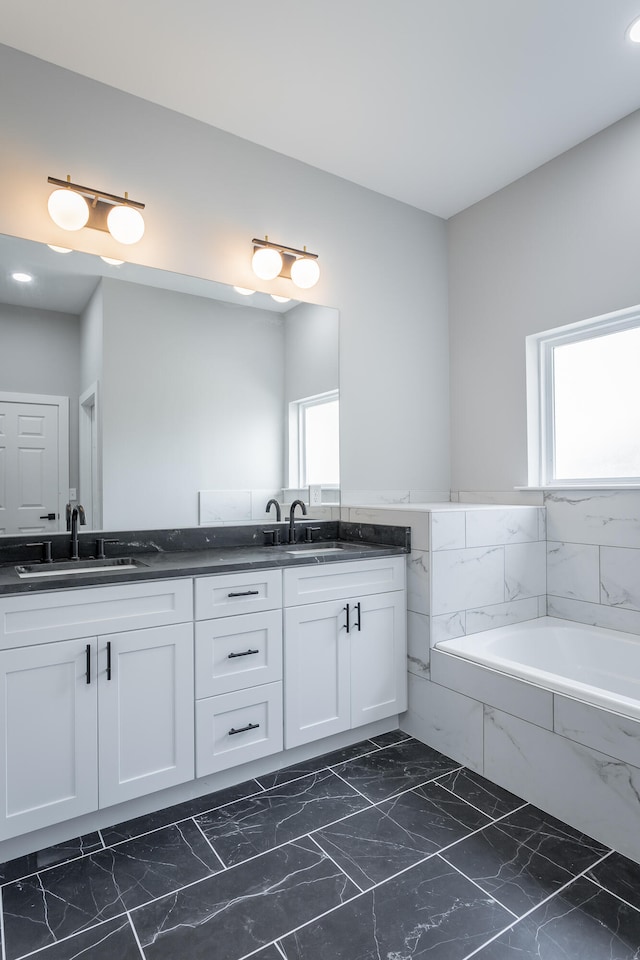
x,y
274,503
76,514
292,533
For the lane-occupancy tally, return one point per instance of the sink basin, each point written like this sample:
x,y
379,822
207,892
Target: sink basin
x,y
66,568
316,548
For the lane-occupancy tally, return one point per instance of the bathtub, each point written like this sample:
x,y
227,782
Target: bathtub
x,y
592,664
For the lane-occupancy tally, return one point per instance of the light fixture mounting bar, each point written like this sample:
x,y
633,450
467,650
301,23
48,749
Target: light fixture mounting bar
x,y
90,192
281,247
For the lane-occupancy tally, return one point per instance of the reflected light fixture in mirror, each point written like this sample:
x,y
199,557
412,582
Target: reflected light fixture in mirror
x,y
633,31
271,260
244,291
119,216
56,249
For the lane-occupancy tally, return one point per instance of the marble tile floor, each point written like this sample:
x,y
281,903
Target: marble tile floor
x,y
386,850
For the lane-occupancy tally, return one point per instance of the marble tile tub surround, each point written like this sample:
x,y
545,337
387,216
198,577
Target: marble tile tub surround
x,y
135,542
388,848
472,567
593,557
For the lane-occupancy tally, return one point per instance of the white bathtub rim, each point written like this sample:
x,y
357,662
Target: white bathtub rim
x,y
552,682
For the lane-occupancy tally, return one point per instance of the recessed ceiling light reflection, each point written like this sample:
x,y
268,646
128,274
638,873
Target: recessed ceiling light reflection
x,y
22,277
634,31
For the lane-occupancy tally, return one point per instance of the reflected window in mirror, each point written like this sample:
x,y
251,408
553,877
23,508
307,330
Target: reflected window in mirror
x,y
314,440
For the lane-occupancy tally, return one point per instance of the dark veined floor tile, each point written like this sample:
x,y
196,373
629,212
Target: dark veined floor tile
x,y
74,896
49,857
620,876
520,878
393,736
379,842
582,922
553,839
113,940
252,826
243,909
301,769
430,911
493,800
180,811
400,766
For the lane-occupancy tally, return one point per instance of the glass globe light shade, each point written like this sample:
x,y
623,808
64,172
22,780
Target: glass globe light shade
x,y
126,224
266,263
274,296
68,209
112,262
244,291
634,31
57,249
305,272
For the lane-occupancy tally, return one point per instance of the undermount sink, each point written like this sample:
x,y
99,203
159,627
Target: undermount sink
x,y
66,568
316,548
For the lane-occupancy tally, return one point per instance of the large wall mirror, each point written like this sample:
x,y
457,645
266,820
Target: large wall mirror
x,y
156,400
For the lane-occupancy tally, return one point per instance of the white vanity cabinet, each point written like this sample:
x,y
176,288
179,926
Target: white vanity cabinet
x,y
238,668
95,712
345,646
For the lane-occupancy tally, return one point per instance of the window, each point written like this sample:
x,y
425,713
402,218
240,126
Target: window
x,y
583,399
314,440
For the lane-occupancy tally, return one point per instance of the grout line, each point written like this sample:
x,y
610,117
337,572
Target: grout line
x,y
206,838
77,933
2,936
99,832
351,787
329,857
374,749
276,944
479,809
606,889
135,935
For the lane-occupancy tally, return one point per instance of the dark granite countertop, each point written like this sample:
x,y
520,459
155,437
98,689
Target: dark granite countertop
x,y
164,554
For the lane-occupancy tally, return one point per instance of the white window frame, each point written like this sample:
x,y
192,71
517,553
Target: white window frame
x,y
297,437
540,411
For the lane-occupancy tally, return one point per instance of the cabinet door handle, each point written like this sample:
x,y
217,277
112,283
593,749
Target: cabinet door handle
x,y
347,624
245,593
108,659
359,623
245,653
88,655
249,726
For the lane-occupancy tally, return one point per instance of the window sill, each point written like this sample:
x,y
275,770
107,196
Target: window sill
x,y
582,486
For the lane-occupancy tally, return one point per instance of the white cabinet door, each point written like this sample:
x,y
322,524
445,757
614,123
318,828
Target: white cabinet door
x,y
316,672
48,735
145,710
378,657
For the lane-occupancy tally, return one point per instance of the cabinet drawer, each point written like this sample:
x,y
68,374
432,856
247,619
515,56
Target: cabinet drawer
x,y
233,653
67,614
355,578
231,593
237,727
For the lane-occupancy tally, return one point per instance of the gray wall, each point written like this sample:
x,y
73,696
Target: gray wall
x,y
40,353
560,245
311,359
192,398
207,194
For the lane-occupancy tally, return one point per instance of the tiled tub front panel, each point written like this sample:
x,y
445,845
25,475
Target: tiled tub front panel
x,y
576,761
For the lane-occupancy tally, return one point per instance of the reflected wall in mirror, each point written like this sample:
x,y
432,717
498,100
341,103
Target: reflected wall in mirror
x,y
155,400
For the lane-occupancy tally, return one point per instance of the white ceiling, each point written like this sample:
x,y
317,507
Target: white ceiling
x,y
437,103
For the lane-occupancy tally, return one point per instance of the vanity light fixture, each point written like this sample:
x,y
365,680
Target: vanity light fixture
x,y
272,260
70,209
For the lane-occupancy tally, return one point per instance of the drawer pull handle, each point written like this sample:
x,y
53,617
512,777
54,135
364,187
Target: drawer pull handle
x,y
108,659
245,653
88,655
245,593
249,726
